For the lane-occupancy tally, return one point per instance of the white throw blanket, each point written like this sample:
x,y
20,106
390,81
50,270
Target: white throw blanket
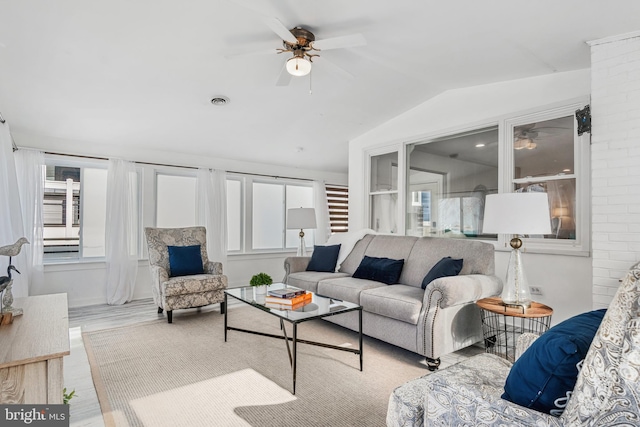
x,y
347,241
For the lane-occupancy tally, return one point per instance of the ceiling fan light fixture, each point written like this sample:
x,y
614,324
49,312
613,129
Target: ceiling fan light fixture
x,y
521,143
298,66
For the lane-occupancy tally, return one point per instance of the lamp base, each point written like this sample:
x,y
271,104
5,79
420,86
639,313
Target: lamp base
x,y
516,288
302,247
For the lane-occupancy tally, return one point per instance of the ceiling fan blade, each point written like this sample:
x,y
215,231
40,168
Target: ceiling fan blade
x,y
278,27
284,78
333,67
351,40
239,54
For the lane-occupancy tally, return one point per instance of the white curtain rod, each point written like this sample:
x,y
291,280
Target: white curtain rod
x,y
176,166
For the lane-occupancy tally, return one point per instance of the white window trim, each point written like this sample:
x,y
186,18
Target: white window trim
x,y
505,123
82,163
581,245
400,185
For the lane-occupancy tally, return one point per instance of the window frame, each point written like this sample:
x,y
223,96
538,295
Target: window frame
x,y
248,213
82,164
581,173
400,185
506,123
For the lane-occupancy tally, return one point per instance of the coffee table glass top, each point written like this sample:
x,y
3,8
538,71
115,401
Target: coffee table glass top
x,y
320,306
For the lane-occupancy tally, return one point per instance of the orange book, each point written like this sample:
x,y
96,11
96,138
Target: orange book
x,y
287,306
306,297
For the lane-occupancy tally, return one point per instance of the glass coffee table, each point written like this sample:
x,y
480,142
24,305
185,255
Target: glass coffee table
x,y
318,308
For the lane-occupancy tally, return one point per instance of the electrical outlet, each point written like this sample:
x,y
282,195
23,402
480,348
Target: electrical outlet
x,y
535,290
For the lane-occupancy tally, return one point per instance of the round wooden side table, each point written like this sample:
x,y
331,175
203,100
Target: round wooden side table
x,y
502,324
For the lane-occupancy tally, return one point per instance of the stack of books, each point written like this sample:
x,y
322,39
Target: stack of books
x,y
287,299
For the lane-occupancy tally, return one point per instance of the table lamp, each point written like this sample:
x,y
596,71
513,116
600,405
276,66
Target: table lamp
x,y
301,218
519,214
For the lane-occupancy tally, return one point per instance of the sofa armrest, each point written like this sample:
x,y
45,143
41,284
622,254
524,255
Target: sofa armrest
x,y
456,290
213,267
295,264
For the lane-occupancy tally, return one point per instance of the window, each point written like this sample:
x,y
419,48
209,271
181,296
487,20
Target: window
x,y
234,215
383,192
74,209
270,201
256,209
338,200
448,177
447,181
547,155
175,201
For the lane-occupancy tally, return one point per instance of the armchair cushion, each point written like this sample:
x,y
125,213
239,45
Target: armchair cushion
x,y
446,267
324,258
185,260
546,373
385,270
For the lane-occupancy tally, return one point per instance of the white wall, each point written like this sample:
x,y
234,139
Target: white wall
x,y
85,282
615,145
565,280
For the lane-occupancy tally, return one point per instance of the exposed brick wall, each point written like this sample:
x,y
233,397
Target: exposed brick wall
x,y
615,162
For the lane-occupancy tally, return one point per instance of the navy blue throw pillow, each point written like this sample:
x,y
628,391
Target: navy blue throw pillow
x,y
446,267
545,375
324,258
185,260
385,270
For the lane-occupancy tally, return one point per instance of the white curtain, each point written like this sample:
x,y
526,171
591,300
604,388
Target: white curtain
x,y
11,228
30,171
322,212
211,211
121,231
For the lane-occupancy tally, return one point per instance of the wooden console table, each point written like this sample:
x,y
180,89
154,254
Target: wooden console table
x,y
31,351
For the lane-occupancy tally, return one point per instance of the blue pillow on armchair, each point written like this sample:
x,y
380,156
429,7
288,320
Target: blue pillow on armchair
x,y
385,270
185,260
546,373
324,258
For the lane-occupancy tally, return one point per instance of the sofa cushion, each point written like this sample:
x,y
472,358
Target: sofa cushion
x,y
185,260
383,270
194,284
346,288
324,258
309,279
400,302
446,267
545,375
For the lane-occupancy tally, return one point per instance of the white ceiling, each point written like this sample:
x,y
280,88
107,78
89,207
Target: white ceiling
x,y
141,73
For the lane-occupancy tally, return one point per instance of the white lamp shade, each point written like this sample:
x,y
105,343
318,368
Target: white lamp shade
x,y
301,218
516,213
297,66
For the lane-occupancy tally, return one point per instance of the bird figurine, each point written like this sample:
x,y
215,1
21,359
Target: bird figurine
x,y
6,281
14,249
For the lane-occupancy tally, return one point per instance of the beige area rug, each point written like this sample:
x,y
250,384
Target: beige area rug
x,y
184,374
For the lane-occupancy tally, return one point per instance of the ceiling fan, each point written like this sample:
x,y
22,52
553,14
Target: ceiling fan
x,y
525,136
301,43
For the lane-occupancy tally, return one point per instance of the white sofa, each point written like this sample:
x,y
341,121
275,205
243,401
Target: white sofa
x,y
432,322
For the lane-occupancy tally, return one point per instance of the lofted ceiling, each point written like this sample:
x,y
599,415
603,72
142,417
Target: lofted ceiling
x,y
142,73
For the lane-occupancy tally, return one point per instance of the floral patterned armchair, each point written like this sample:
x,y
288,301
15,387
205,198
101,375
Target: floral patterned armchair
x,y
606,393
172,293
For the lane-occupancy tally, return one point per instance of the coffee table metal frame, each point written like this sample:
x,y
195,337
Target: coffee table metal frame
x,y
237,293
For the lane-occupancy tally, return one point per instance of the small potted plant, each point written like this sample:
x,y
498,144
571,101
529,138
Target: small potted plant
x,y
261,280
